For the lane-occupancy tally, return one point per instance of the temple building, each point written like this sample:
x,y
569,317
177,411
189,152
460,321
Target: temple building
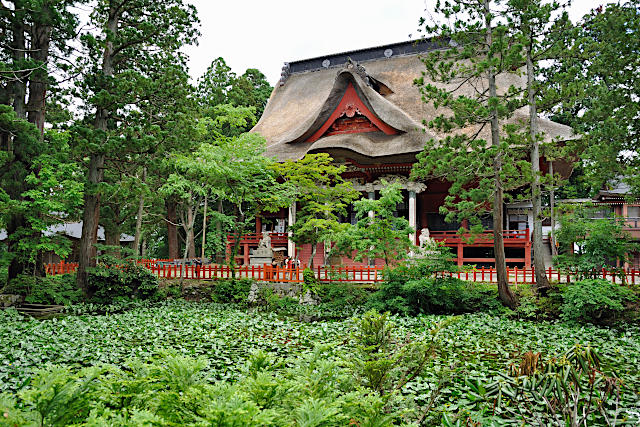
x,y
363,109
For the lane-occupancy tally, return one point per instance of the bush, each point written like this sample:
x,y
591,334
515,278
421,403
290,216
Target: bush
x,y
595,301
174,390
309,279
60,289
231,291
401,293
130,280
276,303
340,295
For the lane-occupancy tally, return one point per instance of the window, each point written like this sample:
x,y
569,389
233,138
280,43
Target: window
x,y
518,222
436,222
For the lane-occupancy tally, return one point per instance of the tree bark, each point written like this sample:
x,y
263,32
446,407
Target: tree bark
x,y
504,292
90,219
91,213
552,213
112,238
538,249
38,83
40,41
314,247
143,249
222,253
204,225
18,47
17,221
172,229
191,241
138,233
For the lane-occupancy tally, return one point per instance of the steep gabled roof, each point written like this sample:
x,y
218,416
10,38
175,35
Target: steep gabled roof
x,y
310,92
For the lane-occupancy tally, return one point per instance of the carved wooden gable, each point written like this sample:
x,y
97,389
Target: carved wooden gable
x,y
351,116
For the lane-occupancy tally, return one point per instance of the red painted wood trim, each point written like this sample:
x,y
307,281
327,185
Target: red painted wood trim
x,y
349,104
380,165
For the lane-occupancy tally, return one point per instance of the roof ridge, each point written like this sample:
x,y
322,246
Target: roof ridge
x,y
411,47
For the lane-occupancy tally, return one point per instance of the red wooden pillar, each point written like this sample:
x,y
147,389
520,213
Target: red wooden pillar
x,y
527,255
460,254
245,250
258,224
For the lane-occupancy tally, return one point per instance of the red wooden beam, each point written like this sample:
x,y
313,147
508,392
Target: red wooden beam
x,y
349,106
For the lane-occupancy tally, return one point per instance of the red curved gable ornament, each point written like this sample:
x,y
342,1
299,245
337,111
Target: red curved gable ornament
x,y
351,116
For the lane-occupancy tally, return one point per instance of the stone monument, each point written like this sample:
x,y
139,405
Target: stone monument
x,y
426,241
263,254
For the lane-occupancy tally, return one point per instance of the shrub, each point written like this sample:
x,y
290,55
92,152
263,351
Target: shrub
x,y
274,302
309,278
595,301
129,280
231,291
314,390
341,295
400,293
60,289
382,360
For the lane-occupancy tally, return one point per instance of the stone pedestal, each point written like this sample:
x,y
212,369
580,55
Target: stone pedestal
x,y
261,256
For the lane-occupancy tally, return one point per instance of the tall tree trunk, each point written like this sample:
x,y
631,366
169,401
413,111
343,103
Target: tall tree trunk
x,y
224,241
17,221
538,249
191,243
38,84
112,238
314,247
91,213
90,219
143,250
172,229
184,262
18,47
506,296
138,233
204,226
552,213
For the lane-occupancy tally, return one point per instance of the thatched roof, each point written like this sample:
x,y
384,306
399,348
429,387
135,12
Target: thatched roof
x,y
383,78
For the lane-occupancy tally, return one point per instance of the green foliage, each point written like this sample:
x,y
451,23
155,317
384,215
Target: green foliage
x,y
475,349
231,291
109,283
61,289
571,389
233,103
600,242
38,184
597,89
236,172
483,46
169,291
416,286
595,301
383,361
402,292
381,235
335,296
323,196
309,279
274,302
171,391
